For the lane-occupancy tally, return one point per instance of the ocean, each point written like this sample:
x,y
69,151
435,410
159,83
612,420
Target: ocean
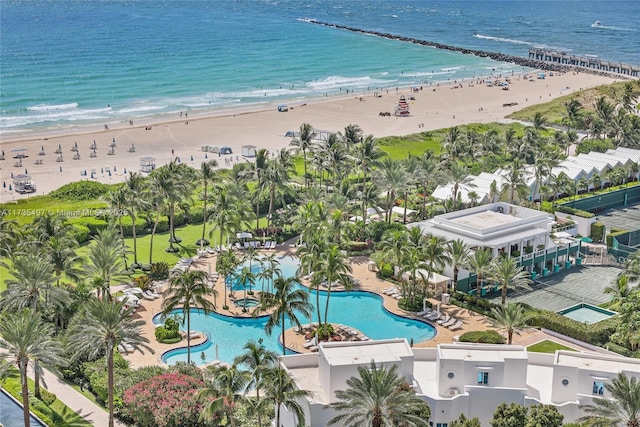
x,y
70,64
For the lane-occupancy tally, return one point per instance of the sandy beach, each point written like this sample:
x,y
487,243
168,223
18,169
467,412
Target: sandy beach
x,y
434,107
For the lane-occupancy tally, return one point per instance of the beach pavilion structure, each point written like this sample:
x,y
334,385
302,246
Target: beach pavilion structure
x,y
506,230
147,164
462,378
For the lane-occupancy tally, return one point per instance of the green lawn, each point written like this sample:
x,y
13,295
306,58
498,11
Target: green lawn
x,y
548,346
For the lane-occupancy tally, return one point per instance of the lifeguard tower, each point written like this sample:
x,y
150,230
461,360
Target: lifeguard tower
x,y
23,184
402,109
147,164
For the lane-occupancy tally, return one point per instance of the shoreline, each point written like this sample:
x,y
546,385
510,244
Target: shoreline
x,y
436,106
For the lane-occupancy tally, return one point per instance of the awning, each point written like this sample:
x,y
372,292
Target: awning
x,y
244,235
586,239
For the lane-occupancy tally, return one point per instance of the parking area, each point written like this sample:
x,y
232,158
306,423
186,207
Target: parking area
x,y
625,217
583,284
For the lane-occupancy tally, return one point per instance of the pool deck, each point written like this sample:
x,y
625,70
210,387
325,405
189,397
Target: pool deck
x,y
368,282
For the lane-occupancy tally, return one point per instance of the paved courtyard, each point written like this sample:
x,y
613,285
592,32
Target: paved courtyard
x,y
625,217
566,288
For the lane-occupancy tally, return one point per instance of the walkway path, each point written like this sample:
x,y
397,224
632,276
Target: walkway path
x,y
76,401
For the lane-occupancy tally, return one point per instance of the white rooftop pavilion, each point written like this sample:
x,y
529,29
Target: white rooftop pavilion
x,y
499,226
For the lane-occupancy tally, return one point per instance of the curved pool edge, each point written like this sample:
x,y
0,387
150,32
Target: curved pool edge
x,y
194,348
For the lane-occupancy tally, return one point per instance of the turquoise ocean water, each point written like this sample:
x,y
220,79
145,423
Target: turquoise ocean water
x,y
65,64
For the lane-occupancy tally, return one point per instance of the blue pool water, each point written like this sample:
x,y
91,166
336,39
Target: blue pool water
x,y
587,313
360,310
11,413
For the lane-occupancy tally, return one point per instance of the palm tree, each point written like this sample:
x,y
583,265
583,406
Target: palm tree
x,y
458,252
106,259
393,245
173,184
152,196
510,317
25,337
334,267
31,285
99,330
632,267
412,263
480,264
226,393
281,390
188,289
393,179
431,175
277,177
304,142
508,275
572,113
540,121
459,176
622,409
258,359
225,265
207,173
135,204
259,165
287,301
435,254
620,290
379,397
63,257
118,203
246,277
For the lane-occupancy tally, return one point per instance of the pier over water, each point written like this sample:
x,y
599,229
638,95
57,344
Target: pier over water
x,y
590,62
535,59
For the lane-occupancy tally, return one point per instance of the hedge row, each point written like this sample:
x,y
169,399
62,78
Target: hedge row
x,y
597,231
485,337
596,333
576,212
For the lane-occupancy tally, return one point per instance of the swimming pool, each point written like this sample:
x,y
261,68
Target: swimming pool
x,y
11,413
587,313
358,309
246,302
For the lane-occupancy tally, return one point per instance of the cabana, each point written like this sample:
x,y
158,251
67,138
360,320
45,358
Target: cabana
x,y
248,151
147,164
23,184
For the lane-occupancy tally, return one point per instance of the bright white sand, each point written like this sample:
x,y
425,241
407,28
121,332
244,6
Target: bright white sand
x,y
434,109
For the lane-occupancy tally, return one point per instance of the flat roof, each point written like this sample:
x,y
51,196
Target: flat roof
x,y
357,353
597,362
484,220
481,353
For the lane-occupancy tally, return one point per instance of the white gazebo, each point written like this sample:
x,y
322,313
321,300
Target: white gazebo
x,y
147,164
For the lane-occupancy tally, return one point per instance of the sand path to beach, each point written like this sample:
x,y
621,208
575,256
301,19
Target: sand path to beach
x,y
434,107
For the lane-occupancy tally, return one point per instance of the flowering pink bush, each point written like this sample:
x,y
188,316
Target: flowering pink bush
x,y
167,400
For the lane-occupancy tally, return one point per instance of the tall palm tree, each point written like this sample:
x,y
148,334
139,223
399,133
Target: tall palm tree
x,y
258,359
412,262
118,204
620,290
510,317
286,301
188,289
270,267
282,391
225,265
106,259
436,255
135,204
31,285
459,177
458,252
508,275
225,394
258,166
393,179
632,267
393,245
207,173
152,195
277,177
379,397
174,185
623,409
367,156
304,142
63,257
431,175
334,267
572,113
99,330
246,277
480,264
24,338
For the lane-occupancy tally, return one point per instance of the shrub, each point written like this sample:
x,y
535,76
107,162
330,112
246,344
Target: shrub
x,y
81,190
47,397
159,270
596,333
146,267
93,224
576,212
167,400
487,337
405,304
611,346
80,233
597,231
196,215
473,303
387,270
143,282
169,333
614,233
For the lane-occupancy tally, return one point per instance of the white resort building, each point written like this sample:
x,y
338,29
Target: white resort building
x,y
507,230
454,379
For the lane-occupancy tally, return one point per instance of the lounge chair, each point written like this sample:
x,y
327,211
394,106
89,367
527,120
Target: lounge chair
x,y
423,312
433,316
273,245
443,319
267,245
363,338
308,344
151,294
456,326
390,291
246,245
451,322
147,297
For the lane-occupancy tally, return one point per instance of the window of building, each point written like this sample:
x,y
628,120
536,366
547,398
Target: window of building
x,y
442,425
598,388
565,381
450,375
483,377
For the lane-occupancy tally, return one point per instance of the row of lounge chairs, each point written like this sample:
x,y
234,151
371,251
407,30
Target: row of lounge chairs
x,y
237,246
393,292
442,319
183,264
